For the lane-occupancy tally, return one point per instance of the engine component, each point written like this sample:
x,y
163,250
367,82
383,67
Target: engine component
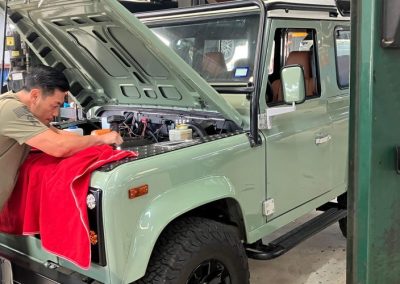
x,y
115,121
181,132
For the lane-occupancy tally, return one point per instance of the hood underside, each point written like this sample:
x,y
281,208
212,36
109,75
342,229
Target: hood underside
x,y
111,58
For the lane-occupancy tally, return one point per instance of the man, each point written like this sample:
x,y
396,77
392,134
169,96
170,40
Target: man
x,y
25,121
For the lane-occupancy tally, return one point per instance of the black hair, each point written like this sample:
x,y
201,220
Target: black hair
x,y
46,78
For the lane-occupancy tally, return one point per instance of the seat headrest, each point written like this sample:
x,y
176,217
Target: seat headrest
x,y
244,62
214,63
301,58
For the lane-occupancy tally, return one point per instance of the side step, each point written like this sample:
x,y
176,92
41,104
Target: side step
x,y
289,240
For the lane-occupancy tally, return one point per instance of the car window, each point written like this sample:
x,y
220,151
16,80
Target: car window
x,y
218,49
342,47
293,47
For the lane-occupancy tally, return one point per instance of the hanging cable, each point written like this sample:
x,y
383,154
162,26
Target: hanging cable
x,y
4,45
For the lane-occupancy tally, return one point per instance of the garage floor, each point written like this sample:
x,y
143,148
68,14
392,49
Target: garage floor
x,y
318,260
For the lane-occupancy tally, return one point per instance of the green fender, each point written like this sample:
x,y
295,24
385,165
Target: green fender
x,y
163,210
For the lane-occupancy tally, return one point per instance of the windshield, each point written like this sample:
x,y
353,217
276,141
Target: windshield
x,y
220,50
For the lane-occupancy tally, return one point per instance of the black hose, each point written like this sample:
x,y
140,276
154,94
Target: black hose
x,y
129,118
4,45
148,131
198,129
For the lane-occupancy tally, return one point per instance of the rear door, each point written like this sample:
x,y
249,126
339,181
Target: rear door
x,y
339,102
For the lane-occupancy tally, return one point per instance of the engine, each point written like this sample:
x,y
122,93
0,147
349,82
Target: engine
x,y
140,128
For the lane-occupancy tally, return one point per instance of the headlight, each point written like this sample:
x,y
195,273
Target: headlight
x,y
90,201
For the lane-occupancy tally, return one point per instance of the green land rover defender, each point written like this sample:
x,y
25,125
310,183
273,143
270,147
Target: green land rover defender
x,y
239,113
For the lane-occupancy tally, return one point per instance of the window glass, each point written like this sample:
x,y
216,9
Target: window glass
x,y
299,40
293,47
342,41
218,49
271,61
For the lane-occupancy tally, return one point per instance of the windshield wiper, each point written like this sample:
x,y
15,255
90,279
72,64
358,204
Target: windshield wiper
x,y
243,89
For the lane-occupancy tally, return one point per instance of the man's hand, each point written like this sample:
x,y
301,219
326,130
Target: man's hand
x,y
112,138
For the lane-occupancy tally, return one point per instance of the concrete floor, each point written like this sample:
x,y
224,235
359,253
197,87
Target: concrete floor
x,y
318,260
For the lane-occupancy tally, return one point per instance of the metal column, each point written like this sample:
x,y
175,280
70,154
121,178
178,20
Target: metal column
x,y
374,186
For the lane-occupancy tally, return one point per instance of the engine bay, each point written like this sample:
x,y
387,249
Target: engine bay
x,y
164,129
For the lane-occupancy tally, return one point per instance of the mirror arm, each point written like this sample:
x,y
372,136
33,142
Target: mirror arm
x,y
270,112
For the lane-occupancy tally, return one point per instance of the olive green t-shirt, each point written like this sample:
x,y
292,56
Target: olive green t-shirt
x,y
17,125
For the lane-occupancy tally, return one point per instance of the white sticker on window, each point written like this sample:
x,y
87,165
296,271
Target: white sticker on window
x,y
17,76
241,72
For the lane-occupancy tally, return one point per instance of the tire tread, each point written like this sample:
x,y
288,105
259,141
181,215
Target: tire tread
x,y
187,236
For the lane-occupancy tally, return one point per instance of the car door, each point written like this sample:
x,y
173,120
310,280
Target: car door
x,y
299,143
339,103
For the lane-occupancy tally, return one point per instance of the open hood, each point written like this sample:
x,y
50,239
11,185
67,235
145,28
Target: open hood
x,y
111,58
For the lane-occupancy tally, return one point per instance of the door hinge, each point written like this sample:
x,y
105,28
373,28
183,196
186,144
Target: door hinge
x,y
268,207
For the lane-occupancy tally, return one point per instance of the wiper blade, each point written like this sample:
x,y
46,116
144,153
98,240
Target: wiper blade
x,y
234,89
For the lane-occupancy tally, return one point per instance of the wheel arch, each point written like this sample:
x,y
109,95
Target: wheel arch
x,y
226,211
217,202
190,242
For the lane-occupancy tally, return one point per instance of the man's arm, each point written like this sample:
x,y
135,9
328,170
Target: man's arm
x,y
62,132
59,145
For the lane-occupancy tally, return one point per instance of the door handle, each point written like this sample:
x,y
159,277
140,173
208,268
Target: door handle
x,y
322,139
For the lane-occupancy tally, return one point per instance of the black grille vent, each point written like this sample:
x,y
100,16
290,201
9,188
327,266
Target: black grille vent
x,y
32,36
45,51
62,23
139,77
79,21
76,88
100,19
120,57
60,67
16,17
100,36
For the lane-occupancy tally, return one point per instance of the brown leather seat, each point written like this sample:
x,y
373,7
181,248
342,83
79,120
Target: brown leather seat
x,y
213,65
302,58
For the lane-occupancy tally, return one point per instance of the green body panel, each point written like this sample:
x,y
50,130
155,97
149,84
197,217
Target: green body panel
x,y
178,182
30,246
242,105
293,214
373,254
163,210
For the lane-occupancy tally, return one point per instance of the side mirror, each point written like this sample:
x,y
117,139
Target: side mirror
x,y
293,85
390,24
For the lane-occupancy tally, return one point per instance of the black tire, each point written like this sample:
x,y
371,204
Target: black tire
x,y
342,201
198,250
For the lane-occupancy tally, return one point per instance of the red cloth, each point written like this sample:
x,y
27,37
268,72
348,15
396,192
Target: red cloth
x,y
50,199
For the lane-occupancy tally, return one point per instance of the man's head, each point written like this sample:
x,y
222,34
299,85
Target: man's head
x,y
44,92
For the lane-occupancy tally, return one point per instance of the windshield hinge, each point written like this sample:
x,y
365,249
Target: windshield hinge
x,y
202,103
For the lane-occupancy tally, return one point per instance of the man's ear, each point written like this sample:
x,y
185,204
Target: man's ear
x,y
34,95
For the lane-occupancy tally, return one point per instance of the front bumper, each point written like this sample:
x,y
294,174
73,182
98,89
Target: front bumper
x,y
28,271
